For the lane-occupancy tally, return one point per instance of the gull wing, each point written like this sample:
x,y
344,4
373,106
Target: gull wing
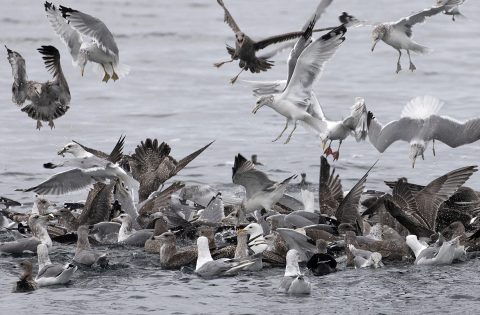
x,y
19,73
245,174
454,133
228,18
115,156
330,193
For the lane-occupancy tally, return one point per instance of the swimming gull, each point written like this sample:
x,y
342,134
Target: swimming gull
x,y
256,242
293,281
206,267
296,98
419,124
127,235
242,251
322,263
49,100
443,254
173,258
153,244
84,255
261,192
297,240
152,165
51,274
75,28
418,213
246,48
399,34
26,282
364,258
38,226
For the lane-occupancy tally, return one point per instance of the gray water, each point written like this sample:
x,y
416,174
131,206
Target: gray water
x,y
173,93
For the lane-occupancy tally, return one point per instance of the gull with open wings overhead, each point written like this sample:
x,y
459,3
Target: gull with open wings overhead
x,y
419,124
49,100
399,34
75,28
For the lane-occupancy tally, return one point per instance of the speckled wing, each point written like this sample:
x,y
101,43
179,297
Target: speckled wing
x,y
19,73
92,27
51,58
330,192
228,18
69,36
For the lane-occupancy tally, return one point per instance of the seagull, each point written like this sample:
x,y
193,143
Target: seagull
x,y
26,282
49,100
171,257
72,25
84,255
438,254
293,281
453,10
245,47
261,192
399,34
256,241
297,97
418,213
364,258
419,124
152,165
127,235
51,274
38,226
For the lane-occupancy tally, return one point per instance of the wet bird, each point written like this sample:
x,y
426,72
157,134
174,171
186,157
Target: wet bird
x,y
151,165
26,282
418,213
127,235
171,257
293,281
261,192
399,34
256,241
246,48
295,100
38,226
419,124
49,100
88,39
51,274
322,263
441,254
84,255
364,258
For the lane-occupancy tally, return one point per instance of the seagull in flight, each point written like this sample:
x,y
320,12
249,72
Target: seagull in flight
x,y
399,34
419,124
75,28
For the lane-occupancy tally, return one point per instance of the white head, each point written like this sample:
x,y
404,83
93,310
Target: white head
x,y
416,149
378,34
41,205
262,101
203,252
74,149
253,229
292,268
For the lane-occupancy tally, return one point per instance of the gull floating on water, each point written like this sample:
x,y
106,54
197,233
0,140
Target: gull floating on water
x,y
49,100
419,124
26,282
364,258
84,255
443,254
399,34
127,235
51,274
294,282
38,226
72,25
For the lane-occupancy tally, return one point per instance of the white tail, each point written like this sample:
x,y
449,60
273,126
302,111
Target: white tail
x,y
422,107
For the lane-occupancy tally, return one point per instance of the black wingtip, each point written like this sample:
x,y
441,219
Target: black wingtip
x,y
345,18
49,165
49,5
48,50
370,116
239,161
9,51
308,32
66,11
339,30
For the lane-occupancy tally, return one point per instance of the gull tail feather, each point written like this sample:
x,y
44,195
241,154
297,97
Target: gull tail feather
x,y
315,125
122,70
419,49
422,107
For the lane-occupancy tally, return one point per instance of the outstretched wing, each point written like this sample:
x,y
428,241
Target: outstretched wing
x,y
189,158
454,133
229,18
69,36
115,156
245,174
383,136
51,57
330,193
92,27
19,72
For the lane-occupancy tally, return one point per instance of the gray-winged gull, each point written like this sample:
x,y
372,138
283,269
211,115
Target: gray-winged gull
x,y
37,224
293,281
84,255
88,39
399,34
256,241
51,274
443,254
127,235
419,124
49,100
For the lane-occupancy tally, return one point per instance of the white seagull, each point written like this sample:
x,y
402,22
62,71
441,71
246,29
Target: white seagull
x,y
399,34
101,49
419,124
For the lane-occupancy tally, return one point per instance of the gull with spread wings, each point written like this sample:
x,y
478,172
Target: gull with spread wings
x,y
74,28
49,100
419,124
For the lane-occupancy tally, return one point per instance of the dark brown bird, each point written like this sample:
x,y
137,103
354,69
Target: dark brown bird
x,y
26,282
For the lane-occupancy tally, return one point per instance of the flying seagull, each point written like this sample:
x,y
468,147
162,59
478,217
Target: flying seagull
x,y
49,100
245,47
297,96
419,124
75,28
399,34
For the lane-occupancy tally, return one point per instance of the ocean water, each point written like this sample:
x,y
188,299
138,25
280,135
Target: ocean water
x,y
173,93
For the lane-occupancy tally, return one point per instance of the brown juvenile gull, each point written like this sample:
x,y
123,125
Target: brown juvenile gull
x,y
418,213
399,34
242,251
49,100
261,192
419,124
84,255
26,282
51,274
245,47
153,244
88,39
152,165
170,257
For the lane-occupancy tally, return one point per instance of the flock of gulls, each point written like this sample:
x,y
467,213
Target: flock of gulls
x,y
272,224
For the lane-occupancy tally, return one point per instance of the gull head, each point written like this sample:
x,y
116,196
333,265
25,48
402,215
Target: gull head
x,y
240,37
416,149
72,148
167,238
123,218
376,259
262,101
378,34
253,229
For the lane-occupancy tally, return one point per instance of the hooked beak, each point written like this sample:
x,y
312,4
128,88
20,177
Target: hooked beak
x,y
62,152
374,44
257,107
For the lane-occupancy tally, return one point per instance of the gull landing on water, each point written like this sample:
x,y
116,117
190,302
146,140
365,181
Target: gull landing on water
x,y
102,49
419,124
399,34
